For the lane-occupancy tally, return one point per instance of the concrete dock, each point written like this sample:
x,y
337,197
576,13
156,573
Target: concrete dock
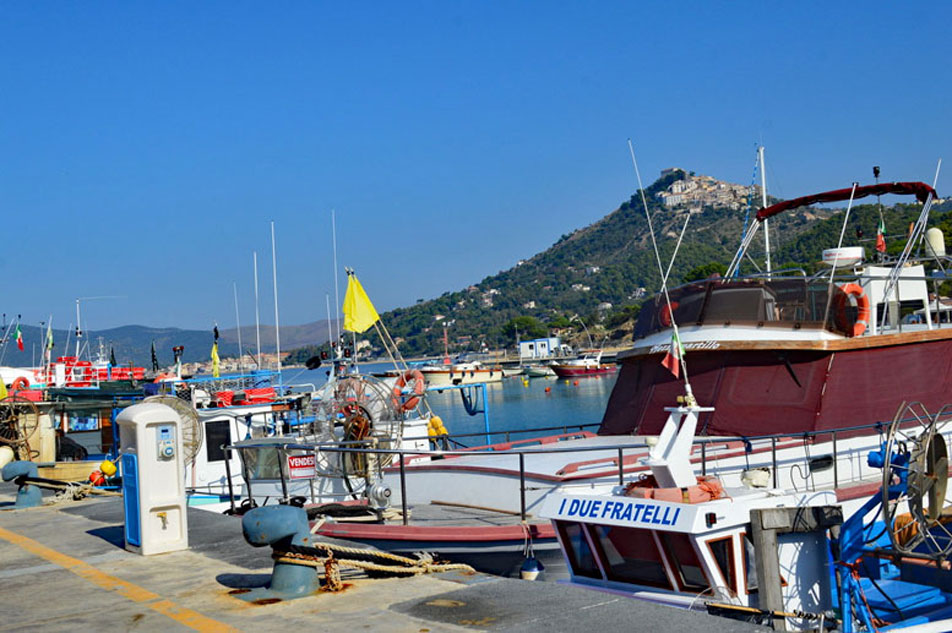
x,y
64,568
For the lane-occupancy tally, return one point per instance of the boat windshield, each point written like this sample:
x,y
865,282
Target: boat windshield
x,y
783,302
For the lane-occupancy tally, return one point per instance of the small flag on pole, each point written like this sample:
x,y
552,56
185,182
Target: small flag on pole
x,y
49,336
215,360
881,236
359,312
672,360
19,337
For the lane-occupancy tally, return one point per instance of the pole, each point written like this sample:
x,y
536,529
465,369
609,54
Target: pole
x,y
257,317
336,274
79,330
277,329
763,199
234,286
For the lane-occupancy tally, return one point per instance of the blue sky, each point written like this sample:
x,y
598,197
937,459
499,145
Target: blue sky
x,y
145,147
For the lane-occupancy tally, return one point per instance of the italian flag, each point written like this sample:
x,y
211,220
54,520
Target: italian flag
x,y
19,336
881,236
672,360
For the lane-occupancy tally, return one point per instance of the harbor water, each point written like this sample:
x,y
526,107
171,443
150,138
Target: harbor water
x,y
516,405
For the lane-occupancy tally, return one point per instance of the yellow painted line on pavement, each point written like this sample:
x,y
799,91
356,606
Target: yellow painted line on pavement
x,y
128,590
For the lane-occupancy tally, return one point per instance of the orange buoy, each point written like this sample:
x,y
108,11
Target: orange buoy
x,y
548,389
96,478
414,376
862,307
575,383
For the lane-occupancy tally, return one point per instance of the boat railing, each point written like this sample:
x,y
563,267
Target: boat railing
x,y
454,438
403,457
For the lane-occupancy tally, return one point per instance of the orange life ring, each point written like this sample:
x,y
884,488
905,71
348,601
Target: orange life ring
x,y
665,314
20,384
862,307
419,386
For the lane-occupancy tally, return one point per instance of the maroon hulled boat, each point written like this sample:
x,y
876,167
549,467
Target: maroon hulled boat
x,y
588,364
793,353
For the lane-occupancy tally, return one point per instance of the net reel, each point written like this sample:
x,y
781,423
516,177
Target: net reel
x,y
359,411
19,420
191,428
915,479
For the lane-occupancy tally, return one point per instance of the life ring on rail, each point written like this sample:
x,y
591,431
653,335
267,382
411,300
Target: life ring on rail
x,y
410,376
665,314
20,384
706,489
862,307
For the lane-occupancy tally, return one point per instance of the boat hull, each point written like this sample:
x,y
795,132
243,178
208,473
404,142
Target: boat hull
x,y
772,389
448,377
574,371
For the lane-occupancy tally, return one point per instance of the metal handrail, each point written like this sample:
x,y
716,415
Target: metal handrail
x,y
352,447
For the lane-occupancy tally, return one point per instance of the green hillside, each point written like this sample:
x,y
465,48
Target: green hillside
x,y
612,262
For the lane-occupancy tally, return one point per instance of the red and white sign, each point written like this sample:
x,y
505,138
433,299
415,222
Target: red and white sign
x,y
301,467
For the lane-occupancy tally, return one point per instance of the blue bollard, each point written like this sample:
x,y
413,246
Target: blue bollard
x,y
280,526
29,495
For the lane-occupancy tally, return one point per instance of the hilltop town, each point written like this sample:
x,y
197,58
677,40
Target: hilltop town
x,y
695,192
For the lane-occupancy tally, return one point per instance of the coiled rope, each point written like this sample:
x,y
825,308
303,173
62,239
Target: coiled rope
x,y
324,553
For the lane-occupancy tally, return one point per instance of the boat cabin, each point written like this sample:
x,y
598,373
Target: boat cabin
x,y
686,554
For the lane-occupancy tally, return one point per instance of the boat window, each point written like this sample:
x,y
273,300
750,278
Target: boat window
x,y
578,551
750,567
723,551
679,549
795,302
261,463
217,434
631,555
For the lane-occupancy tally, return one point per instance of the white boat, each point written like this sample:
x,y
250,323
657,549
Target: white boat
x,y
540,370
469,373
767,555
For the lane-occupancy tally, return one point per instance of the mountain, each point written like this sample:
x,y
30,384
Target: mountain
x,y
600,273
133,343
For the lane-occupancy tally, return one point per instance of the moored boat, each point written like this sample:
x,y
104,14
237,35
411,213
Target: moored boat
x,y
588,364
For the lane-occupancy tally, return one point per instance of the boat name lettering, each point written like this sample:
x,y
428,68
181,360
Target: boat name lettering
x,y
628,511
696,345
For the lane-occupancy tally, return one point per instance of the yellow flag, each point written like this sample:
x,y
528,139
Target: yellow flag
x,y
215,360
359,313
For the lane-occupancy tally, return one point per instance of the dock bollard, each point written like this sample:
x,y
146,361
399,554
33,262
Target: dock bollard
x,y
29,495
280,526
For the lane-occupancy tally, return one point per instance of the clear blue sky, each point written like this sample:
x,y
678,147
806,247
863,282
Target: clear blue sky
x,y
144,147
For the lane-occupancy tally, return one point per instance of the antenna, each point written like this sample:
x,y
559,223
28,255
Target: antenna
x,y
689,395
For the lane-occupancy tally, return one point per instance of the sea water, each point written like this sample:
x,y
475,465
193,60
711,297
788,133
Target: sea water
x,y
523,407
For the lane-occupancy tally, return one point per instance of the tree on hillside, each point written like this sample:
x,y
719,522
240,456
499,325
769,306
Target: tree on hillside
x,y
706,270
528,327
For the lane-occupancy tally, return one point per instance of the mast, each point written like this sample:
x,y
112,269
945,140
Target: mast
x,y
79,330
330,336
336,275
763,199
234,286
274,281
257,316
